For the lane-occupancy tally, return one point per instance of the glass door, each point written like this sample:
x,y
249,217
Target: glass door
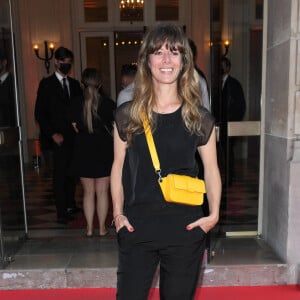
x,y
108,52
13,226
127,45
97,51
236,54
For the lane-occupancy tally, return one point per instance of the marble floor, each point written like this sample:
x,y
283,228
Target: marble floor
x,y
65,258
69,248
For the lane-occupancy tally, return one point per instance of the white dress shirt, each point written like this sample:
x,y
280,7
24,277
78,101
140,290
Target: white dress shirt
x,y
126,94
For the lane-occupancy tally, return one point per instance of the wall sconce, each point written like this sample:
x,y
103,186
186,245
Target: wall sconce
x,y
226,45
49,50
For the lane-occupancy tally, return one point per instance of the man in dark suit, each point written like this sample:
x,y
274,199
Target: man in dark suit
x,y
7,94
230,107
9,160
233,104
54,96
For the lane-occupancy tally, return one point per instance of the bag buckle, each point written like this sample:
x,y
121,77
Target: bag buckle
x,y
158,172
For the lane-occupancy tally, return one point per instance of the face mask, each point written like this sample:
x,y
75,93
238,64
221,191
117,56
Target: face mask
x,y
65,68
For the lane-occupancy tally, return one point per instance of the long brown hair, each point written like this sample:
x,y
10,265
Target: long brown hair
x,y
91,81
188,80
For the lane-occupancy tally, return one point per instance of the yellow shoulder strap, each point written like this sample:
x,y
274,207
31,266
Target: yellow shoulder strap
x,y
150,142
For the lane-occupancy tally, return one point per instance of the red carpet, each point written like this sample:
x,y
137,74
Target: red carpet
x,y
289,292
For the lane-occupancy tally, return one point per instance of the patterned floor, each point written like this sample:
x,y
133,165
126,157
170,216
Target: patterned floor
x,y
239,207
40,206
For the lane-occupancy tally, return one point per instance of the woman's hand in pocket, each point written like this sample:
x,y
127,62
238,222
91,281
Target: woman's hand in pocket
x,y
121,221
205,223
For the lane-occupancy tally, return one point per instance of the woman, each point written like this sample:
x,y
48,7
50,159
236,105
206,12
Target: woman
x,y
92,117
151,230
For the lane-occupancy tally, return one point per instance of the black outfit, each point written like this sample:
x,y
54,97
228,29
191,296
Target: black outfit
x,y
7,103
9,156
230,107
233,104
51,109
160,235
93,152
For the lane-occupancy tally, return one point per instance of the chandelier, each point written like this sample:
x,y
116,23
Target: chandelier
x,y
131,10
131,4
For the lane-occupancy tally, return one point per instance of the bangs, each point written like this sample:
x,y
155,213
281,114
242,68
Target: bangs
x,y
169,36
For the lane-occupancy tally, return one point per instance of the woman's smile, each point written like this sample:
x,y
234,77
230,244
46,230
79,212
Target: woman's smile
x,y
165,65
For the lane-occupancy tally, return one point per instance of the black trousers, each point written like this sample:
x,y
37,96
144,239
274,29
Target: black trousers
x,y
63,184
164,242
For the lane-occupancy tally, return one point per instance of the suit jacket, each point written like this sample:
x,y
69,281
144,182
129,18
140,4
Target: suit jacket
x,y
7,103
233,104
51,109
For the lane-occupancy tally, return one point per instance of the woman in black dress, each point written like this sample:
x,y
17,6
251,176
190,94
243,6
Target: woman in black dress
x,y
92,117
150,230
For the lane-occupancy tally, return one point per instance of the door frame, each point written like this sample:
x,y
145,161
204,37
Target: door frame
x,y
12,137
110,35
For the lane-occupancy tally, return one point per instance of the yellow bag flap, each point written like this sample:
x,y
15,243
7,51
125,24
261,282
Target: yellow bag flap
x,y
188,183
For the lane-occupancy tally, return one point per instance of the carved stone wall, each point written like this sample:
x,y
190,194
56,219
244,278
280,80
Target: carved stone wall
x,y
281,203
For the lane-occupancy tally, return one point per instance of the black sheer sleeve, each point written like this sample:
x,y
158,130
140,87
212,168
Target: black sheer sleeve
x,y
207,126
122,115
106,111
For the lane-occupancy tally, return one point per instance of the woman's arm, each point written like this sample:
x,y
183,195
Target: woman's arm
x,y
116,183
213,184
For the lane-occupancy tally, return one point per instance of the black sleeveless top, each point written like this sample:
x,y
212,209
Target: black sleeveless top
x,y
176,149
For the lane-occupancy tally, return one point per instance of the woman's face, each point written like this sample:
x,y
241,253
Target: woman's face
x,y
165,65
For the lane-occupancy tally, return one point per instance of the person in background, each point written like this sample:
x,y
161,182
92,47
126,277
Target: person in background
x,y
233,104
128,72
9,160
205,102
92,117
231,108
54,96
150,230
203,81
7,94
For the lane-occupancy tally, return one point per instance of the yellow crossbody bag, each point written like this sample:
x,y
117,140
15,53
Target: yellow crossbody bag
x,y
180,189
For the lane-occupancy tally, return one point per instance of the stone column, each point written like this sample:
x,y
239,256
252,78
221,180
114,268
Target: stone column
x,y
281,201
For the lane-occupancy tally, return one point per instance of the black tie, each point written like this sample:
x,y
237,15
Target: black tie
x,y
65,87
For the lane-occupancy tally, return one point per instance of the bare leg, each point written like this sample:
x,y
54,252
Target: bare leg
x,y
102,193
89,202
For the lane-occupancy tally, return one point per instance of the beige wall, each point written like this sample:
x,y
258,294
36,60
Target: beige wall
x,y
200,33
36,21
